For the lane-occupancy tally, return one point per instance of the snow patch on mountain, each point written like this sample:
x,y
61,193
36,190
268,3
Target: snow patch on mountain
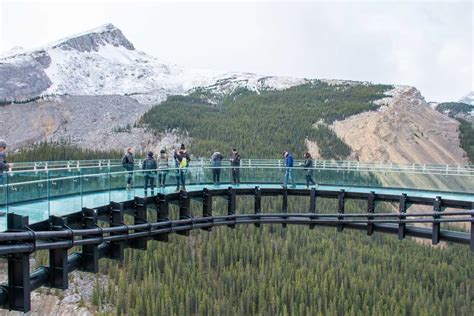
x,y
468,99
103,62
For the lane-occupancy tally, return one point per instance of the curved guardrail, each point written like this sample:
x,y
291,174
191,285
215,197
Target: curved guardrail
x,y
57,209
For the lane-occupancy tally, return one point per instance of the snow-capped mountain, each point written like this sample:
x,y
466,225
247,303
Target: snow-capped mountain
x,y
103,61
468,99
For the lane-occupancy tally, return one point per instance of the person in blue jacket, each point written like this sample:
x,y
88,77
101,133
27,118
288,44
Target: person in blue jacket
x,y
288,169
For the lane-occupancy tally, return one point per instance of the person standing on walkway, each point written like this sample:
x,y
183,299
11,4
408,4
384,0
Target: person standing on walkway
x,y
149,166
235,164
4,166
129,164
162,168
216,162
288,169
182,160
308,168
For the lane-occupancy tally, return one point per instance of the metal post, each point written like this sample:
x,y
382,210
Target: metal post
x,y
371,210
258,203
58,266
231,204
402,209
340,209
90,253
117,218
206,205
284,206
436,226
312,205
139,217
162,214
184,210
18,287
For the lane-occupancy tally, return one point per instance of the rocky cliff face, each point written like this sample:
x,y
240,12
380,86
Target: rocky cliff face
x,y
404,130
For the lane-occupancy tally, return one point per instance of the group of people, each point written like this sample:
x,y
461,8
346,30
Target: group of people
x,y
159,168
307,165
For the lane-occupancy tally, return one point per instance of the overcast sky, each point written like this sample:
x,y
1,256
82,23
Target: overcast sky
x,y
425,44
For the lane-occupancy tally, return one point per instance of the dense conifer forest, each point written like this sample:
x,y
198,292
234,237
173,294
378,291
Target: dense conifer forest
x,y
264,124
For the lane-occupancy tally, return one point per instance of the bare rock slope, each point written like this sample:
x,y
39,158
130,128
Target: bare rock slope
x,y
404,130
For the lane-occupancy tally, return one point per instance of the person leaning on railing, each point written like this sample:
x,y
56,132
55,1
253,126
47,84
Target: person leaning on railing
x,y
3,159
216,162
235,163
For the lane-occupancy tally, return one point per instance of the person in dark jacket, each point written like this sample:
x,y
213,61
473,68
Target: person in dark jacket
x,y
235,163
308,168
150,165
4,166
216,163
288,169
182,160
129,164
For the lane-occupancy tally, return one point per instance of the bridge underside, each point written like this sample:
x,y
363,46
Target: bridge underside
x,y
102,233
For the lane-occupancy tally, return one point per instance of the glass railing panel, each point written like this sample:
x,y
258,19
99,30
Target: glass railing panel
x,y
27,195
65,191
95,186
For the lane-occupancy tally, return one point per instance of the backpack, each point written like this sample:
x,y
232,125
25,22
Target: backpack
x,y
150,164
183,163
125,160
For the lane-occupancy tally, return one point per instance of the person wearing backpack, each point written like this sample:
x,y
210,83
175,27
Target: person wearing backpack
x,y
288,169
149,164
4,166
235,164
308,168
129,164
216,163
182,159
162,168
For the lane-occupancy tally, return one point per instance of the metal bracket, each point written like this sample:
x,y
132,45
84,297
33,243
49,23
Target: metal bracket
x,y
139,217
90,253
436,226
206,206
340,209
312,205
371,210
258,203
231,204
184,210
162,210
117,218
402,209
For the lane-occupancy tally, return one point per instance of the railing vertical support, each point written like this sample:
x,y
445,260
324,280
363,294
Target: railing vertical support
x,y
371,210
258,203
436,226
231,204
340,209
162,215
117,218
402,210
58,266
284,207
90,253
19,291
184,210
139,217
312,205
207,205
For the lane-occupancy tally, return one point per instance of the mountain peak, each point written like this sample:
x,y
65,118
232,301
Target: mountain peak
x,y
92,40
